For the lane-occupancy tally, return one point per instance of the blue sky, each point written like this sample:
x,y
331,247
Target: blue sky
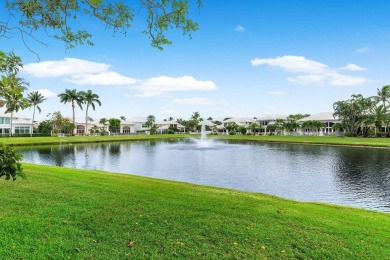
x,y
249,57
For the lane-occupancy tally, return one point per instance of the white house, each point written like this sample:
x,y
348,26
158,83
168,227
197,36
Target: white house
x,y
133,125
20,124
324,117
163,126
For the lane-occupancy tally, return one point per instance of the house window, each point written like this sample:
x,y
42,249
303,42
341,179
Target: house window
x,y
22,129
80,129
126,130
144,126
4,120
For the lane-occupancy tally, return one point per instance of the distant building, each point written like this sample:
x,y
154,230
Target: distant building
x,y
20,124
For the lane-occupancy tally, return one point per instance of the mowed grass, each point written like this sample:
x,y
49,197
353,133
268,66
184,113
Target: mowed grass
x,y
17,141
63,213
324,140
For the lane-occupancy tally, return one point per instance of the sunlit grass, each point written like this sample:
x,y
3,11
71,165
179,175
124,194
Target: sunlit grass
x,y
63,213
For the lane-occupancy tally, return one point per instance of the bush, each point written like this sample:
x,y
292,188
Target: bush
x,y
381,134
232,133
10,166
350,134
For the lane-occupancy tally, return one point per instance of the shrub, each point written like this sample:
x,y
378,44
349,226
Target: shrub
x,y
10,166
232,133
350,134
381,134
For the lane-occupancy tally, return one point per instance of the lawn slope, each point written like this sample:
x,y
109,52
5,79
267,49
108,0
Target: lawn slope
x,y
68,213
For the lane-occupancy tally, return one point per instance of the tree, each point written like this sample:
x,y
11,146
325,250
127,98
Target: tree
x,y
123,118
72,96
89,98
45,127
114,125
28,16
13,98
253,126
383,95
150,120
378,116
34,99
104,122
352,111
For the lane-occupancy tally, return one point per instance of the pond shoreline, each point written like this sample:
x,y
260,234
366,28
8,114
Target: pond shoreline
x,y
383,143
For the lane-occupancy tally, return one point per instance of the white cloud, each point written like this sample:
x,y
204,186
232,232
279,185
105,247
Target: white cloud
x,y
83,72
65,67
276,93
77,71
46,93
239,28
363,50
105,78
158,85
353,67
310,72
198,101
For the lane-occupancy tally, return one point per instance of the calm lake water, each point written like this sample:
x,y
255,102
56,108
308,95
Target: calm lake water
x,y
358,177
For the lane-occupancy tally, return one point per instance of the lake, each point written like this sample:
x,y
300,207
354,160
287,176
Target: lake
x,y
352,176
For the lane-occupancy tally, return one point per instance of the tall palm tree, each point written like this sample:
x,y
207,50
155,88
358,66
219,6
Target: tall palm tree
x,y
383,95
89,99
13,95
72,96
34,99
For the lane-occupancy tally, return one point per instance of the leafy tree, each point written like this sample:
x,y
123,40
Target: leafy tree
x,y
57,121
72,96
104,122
67,126
352,111
231,127
242,130
34,99
45,127
253,126
114,125
10,163
28,16
123,118
150,120
89,98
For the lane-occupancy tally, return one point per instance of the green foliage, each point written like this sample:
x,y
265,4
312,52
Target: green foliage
x,y
114,125
29,16
10,166
242,130
45,127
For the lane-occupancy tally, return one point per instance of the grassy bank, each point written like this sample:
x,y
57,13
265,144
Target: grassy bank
x,y
60,213
19,141
326,140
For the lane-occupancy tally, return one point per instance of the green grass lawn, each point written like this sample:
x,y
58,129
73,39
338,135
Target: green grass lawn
x,y
328,140
63,213
83,139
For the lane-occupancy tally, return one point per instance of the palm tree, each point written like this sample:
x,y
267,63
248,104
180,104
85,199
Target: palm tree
x,y
72,96
89,99
383,95
34,99
378,116
13,95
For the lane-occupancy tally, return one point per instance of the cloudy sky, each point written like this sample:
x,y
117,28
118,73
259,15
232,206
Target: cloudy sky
x,y
249,57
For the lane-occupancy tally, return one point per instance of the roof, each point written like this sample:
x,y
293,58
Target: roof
x,y
270,117
323,116
239,120
207,123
